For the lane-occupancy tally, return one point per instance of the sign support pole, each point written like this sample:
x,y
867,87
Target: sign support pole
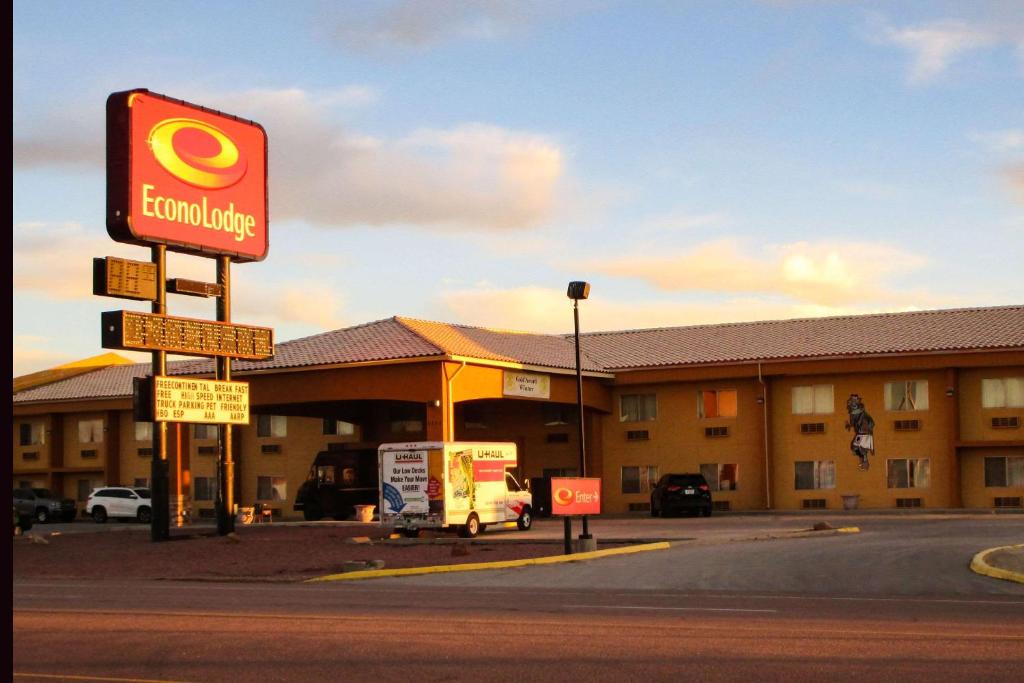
x,y
159,525
226,464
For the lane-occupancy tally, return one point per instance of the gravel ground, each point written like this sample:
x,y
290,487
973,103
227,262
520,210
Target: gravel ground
x,y
259,553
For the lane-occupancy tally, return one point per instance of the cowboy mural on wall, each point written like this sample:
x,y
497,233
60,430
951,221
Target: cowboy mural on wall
x,y
863,426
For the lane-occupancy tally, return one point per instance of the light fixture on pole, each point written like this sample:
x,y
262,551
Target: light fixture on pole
x,y
580,290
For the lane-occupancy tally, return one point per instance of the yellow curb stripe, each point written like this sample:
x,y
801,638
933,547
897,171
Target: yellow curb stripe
x,y
105,679
848,530
980,565
505,564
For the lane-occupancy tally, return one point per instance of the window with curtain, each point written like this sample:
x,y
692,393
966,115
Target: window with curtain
x,y
908,473
815,474
338,427
637,407
1002,392
272,425
30,433
272,488
720,476
90,431
1004,471
817,398
906,395
639,479
204,488
718,403
143,431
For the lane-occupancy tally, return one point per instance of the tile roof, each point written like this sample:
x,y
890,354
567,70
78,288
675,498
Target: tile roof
x,y
547,350
861,335
114,381
399,338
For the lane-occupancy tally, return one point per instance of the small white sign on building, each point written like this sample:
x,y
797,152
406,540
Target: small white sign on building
x,y
527,384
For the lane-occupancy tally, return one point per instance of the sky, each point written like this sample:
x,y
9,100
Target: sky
x,y
695,161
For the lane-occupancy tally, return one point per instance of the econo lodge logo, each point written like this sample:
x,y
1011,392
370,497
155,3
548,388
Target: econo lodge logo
x,y
197,153
563,496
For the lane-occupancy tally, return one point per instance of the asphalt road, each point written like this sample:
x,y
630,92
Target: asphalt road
x,y
894,603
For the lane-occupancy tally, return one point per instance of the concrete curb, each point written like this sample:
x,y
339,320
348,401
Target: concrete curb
x,y
477,566
980,565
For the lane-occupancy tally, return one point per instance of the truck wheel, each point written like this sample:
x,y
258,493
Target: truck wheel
x,y
525,520
42,515
99,515
311,513
409,532
472,526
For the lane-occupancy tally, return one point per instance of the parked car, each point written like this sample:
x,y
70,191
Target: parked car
x,y
119,501
46,507
681,493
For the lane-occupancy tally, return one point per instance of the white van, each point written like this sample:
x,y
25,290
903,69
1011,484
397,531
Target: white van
x,y
434,484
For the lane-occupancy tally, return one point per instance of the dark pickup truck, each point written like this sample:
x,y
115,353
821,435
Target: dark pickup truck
x,y
46,506
338,481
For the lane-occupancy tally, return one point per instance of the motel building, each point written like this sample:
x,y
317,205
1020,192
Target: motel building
x,y
758,408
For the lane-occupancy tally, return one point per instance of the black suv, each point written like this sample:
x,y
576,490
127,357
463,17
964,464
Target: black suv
x,y
681,492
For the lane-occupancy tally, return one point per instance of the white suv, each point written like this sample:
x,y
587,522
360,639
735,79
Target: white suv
x,y
119,501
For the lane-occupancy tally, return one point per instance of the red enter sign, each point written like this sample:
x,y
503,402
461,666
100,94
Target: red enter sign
x,y
575,496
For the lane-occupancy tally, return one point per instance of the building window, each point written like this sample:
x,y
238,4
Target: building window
x,y
272,488
560,472
272,425
815,474
338,428
637,407
204,432
720,476
90,431
909,473
558,414
203,488
720,403
906,395
813,399
1002,392
143,431
140,482
639,479
405,419
473,417
1004,471
30,433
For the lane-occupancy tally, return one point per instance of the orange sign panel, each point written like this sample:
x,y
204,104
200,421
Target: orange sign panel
x,y
185,176
575,496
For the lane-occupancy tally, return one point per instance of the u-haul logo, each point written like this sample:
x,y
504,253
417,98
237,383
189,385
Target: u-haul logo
x,y
197,153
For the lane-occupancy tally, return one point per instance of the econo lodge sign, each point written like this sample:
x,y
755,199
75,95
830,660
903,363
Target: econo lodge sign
x,y
575,496
185,176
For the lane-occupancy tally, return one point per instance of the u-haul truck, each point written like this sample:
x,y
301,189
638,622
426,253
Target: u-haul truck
x,y
466,486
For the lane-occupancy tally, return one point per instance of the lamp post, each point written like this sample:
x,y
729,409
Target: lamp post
x,y
577,291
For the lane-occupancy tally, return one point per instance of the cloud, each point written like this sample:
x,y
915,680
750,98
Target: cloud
x,y
544,310
31,355
1000,141
473,176
935,45
53,259
1014,177
817,274
422,24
